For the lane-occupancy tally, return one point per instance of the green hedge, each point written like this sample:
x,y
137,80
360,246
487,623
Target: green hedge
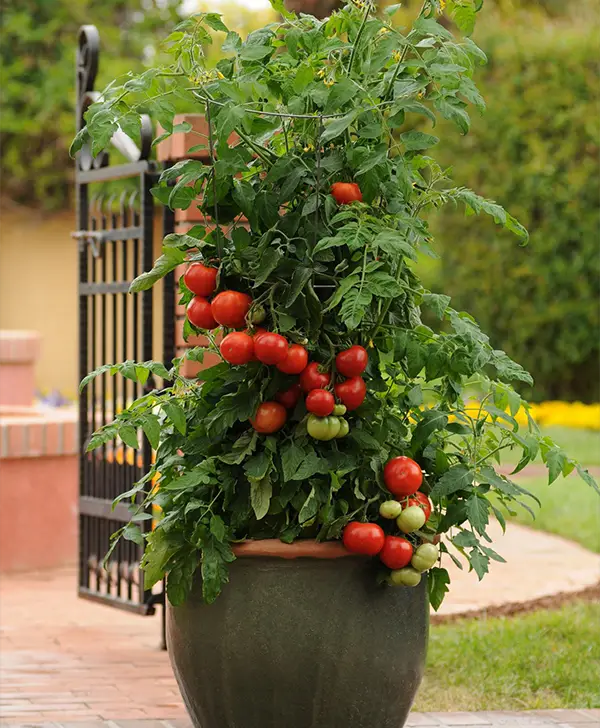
x,y
535,151
37,72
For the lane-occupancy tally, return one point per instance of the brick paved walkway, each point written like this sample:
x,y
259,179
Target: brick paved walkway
x,y
69,660
498,719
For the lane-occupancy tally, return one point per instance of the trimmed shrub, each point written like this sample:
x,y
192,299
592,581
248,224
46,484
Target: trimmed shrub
x,y
536,151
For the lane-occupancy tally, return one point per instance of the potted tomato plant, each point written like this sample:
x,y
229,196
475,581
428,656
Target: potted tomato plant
x,y
319,477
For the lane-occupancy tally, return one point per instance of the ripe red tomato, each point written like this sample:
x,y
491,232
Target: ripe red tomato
x,y
237,348
201,279
270,348
421,500
259,332
296,360
396,552
270,417
346,192
312,378
320,402
289,397
229,308
364,538
352,361
352,392
199,312
402,476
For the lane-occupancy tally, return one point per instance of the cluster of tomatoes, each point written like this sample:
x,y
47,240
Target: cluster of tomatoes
x,y
231,309
410,509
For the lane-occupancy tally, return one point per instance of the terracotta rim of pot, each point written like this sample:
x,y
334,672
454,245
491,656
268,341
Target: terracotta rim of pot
x,y
299,549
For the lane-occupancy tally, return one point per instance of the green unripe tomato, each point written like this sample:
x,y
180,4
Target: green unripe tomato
x,y
390,509
425,557
411,519
339,409
344,428
405,577
322,428
258,314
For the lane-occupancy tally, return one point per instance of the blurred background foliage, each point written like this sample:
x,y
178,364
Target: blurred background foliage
x,y
535,150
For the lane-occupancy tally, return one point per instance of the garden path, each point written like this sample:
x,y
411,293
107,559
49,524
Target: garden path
x,y
68,660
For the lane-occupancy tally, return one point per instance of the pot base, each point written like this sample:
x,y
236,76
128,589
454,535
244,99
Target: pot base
x,y
302,643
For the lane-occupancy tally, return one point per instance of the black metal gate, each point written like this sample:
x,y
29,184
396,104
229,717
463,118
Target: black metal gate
x,y
115,219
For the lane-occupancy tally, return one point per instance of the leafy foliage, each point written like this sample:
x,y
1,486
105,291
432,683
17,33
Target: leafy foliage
x,y
37,68
310,103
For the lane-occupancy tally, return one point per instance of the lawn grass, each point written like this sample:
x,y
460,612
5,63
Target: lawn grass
x,y
546,659
570,508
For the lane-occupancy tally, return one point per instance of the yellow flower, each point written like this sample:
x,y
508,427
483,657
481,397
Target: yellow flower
x,y
442,5
321,73
383,31
329,82
397,55
220,75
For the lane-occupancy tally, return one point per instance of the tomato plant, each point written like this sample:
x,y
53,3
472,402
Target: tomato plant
x,y
230,308
320,402
346,192
313,378
199,312
352,392
323,428
201,279
237,348
352,361
402,476
269,417
271,348
364,538
319,199
295,361
289,398
396,552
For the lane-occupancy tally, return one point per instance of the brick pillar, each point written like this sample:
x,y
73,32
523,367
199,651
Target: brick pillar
x,y
171,150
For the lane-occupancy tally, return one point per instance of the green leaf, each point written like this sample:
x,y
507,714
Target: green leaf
x,y
309,509
255,52
431,421
151,427
260,496
176,414
480,563
300,278
508,370
311,465
258,466
213,20
168,261
292,456
416,140
354,307
268,263
131,532
478,512
128,434
217,528
215,557
437,302
459,477
438,580
338,126
395,243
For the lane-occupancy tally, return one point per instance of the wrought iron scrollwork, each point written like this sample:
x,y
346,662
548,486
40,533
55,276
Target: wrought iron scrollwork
x,y
88,54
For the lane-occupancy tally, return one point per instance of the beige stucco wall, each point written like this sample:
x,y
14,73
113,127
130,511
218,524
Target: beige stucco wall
x,y
38,289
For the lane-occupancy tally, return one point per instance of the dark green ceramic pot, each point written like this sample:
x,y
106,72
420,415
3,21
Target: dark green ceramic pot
x,y
301,637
